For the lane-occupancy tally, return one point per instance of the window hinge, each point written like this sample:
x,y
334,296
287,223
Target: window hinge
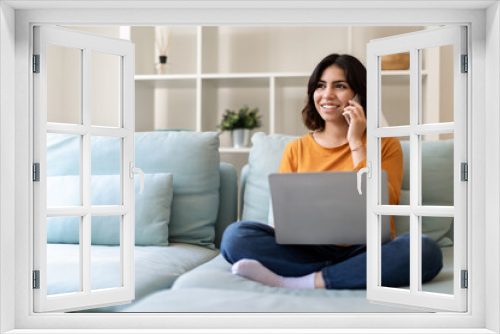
x,y
465,64
464,171
465,279
36,172
36,63
36,279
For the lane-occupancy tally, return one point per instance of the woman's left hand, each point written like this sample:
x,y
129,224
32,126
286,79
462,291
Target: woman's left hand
x,y
357,124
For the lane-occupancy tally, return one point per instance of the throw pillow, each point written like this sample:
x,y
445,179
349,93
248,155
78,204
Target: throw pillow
x,y
152,209
265,158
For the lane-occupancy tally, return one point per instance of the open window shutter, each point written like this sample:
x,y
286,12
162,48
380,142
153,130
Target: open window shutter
x,y
417,131
63,68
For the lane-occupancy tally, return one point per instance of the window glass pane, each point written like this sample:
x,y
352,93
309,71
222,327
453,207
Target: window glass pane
x,y
63,170
105,89
437,262
64,70
105,252
395,258
404,198
105,170
437,84
395,89
437,169
402,223
63,255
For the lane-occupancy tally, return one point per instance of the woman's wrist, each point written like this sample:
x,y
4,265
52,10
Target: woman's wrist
x,y
356,146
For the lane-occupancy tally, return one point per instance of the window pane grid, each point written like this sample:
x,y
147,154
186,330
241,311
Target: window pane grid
x,y
425,129
83,130
80,168
82,211
416,211
423,162
420,210
85,211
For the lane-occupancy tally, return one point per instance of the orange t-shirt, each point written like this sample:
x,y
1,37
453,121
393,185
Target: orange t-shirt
x,y
306,155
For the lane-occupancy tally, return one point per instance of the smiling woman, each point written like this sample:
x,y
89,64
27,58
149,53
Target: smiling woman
x,y
335,145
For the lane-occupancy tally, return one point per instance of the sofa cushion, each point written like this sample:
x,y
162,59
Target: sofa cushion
x,y
193,159
231,301
219,272
265,158
152,209
156,268
228,206
437,187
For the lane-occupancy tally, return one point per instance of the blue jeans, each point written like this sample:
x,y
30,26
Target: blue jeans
x,y
341,267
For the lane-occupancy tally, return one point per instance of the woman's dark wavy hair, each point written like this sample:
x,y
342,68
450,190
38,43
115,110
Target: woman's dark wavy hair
x,y
355,74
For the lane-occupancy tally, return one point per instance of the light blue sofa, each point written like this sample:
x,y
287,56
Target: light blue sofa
x,y
212,288
179,224
189,275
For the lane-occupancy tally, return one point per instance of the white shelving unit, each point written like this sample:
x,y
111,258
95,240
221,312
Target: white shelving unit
x,y
216,68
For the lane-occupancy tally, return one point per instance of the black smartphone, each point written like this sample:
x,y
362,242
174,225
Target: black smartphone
x,y
347,117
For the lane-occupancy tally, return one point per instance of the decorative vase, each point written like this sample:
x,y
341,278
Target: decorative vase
x,y
161,67
241,138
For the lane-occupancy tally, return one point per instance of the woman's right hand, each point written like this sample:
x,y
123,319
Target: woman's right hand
x,y
357,124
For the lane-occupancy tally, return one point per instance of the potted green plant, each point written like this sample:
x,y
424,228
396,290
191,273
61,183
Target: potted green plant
x,y
240,123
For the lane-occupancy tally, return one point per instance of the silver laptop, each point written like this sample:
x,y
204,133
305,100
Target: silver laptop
x,y
322,208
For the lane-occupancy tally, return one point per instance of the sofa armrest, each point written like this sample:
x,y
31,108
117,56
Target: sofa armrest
x,y
228,206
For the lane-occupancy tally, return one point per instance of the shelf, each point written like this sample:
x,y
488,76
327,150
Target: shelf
x,y
161,77
234,150
176,77
254,75
233,80
167,80
400,73
235,76
227,67
214,68
238,82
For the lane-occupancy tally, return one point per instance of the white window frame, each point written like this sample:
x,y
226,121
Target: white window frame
x,y
484,102
86,43
414,43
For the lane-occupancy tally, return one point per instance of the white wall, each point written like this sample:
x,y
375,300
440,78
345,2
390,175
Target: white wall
x,y
7,170
492,165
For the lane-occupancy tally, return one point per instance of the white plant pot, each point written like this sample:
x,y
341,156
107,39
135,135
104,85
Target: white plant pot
x,y
241,138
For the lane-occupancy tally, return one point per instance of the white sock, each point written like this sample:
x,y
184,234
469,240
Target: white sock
x,y
302,282
255,271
